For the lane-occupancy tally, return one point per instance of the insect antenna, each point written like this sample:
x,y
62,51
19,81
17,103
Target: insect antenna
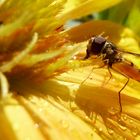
x,y
106,37
102,34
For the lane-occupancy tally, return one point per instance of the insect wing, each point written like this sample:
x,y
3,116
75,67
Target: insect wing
x,y
127,52
127,70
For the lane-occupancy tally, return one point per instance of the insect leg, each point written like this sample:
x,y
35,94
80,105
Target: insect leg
x,y
109,71
120,94
90,74
87,76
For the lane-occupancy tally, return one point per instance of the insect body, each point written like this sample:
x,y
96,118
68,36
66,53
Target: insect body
x,y
112,58
101,47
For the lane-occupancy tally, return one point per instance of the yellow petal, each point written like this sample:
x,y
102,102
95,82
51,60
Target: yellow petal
x,y
41,118
75,9
98,97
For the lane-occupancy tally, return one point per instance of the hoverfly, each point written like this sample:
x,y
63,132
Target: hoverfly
x,y
112,58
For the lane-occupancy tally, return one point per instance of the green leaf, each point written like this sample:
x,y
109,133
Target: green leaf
x,y
133,20
119,13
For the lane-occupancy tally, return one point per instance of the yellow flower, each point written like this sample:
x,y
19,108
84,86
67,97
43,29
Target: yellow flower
x,y
43,95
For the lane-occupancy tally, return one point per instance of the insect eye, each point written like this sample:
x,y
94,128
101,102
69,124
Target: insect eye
x,y
99,40
97,45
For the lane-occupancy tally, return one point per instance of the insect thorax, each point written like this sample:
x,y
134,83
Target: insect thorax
x,y
110,54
